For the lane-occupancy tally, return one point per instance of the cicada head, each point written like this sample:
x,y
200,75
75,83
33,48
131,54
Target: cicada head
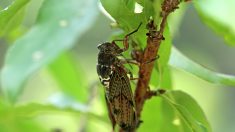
x,y
109,48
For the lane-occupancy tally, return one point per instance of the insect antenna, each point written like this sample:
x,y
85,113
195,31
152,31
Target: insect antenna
x,y
134,30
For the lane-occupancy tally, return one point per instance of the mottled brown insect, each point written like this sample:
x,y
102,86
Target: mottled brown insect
x,y
121,99
113,76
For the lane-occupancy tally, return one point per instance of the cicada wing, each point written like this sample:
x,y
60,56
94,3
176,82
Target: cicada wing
x,y
110,113
120,97
114,86
128,105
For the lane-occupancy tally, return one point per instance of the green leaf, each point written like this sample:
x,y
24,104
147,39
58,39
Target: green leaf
x,y
148,8
165,49
162,63
127,19
171,120
58,27
69,76
217,15
123,12
151,116
152,113
188,112
166,79
24,118
180,61
12,121
60,101
11,16
175,18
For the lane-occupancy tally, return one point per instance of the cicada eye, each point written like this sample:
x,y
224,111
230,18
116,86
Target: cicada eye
x,y
100,46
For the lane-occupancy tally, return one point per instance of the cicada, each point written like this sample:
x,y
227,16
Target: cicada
x,y
118,93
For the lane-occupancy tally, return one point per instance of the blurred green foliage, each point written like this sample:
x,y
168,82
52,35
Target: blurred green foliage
x,y
52,63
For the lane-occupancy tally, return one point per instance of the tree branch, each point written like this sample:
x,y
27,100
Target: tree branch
x,y
154,38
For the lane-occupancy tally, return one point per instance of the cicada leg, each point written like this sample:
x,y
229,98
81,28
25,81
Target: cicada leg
x,y
125,40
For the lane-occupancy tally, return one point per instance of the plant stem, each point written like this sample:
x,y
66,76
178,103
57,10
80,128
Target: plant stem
x,y
154,39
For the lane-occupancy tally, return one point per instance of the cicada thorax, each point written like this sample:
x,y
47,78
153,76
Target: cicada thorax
x,y
107,60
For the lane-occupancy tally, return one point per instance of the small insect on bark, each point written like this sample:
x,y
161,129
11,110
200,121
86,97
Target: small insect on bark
x,y
118,93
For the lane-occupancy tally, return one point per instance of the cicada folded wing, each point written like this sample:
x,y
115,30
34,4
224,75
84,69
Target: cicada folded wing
x,y
110,113
121,99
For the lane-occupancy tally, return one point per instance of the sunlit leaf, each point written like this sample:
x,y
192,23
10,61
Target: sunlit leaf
x,y
180,61
12,121
175,18
69,76
187,112
165,49
61,101
11,16
58,27
24,117
88,113
124,15
98,125
171,120
217,15
162,62
151,116
152,113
